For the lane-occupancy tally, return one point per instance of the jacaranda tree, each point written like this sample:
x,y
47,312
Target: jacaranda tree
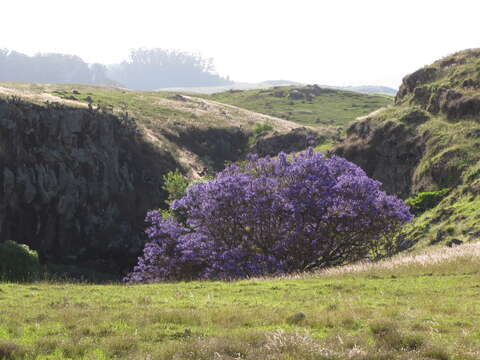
x,y
271,216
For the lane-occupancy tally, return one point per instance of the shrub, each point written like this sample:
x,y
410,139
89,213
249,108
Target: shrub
x,y
424,201
10,350
18,262
261,128
175,184
271,216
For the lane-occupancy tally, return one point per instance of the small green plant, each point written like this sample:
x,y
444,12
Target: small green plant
x,y
175,184
262,128
18,262
424,201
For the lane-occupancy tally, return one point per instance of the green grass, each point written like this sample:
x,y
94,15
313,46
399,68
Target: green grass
x,y
173,122
422,309
198,133
457,217
142,103
331,107
154,109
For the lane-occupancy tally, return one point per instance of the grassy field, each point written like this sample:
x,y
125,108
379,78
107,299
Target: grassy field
x,y
331,107
422,306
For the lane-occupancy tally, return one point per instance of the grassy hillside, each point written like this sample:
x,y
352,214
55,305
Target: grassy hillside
x,y
368,89
429,141
423,306
201,134
204,132
235,86
306,105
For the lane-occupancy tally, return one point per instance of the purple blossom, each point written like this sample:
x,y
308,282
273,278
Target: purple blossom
x,y
270,216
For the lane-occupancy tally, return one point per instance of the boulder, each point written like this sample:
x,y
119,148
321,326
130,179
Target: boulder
x,y
441,234
454,242
296,95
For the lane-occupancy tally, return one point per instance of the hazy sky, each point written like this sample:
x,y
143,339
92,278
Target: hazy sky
x,y
337,42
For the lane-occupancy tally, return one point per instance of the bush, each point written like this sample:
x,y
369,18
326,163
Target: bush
x,y
424,201
175,184
262,128
18,262
271,216
10,350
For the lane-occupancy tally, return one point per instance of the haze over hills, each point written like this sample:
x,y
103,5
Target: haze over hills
x,y
146,69
366,89
234,86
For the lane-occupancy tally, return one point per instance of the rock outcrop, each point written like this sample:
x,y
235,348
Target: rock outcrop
x,y
410,147
298,139
75,184
388,151
449,86
428,141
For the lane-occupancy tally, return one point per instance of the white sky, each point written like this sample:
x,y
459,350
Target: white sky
x,y
337,42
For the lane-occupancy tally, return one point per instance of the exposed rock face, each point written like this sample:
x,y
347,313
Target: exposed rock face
x,y
412,81
296,140
214,145
388,152
449,86
76,184
419,144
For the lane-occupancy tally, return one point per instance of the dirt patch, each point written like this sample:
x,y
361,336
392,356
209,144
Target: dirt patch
x,y
234,115
43,97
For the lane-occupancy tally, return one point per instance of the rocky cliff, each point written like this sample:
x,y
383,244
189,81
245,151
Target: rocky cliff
x,y
75,183
429,140
450,86
388,151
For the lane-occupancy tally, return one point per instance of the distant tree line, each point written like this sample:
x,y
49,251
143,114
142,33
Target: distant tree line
x,y
146,69
50,68
150,69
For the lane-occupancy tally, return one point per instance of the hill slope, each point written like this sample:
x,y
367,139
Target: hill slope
x,y
81,165
429,141
306,105
410,307
235,86
186,126
367,89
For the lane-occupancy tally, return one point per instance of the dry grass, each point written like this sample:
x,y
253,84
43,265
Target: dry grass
x,y
433,260
234,115
39,97
438,260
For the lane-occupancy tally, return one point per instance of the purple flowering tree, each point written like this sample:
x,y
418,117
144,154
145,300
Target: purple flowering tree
x,y
271,216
